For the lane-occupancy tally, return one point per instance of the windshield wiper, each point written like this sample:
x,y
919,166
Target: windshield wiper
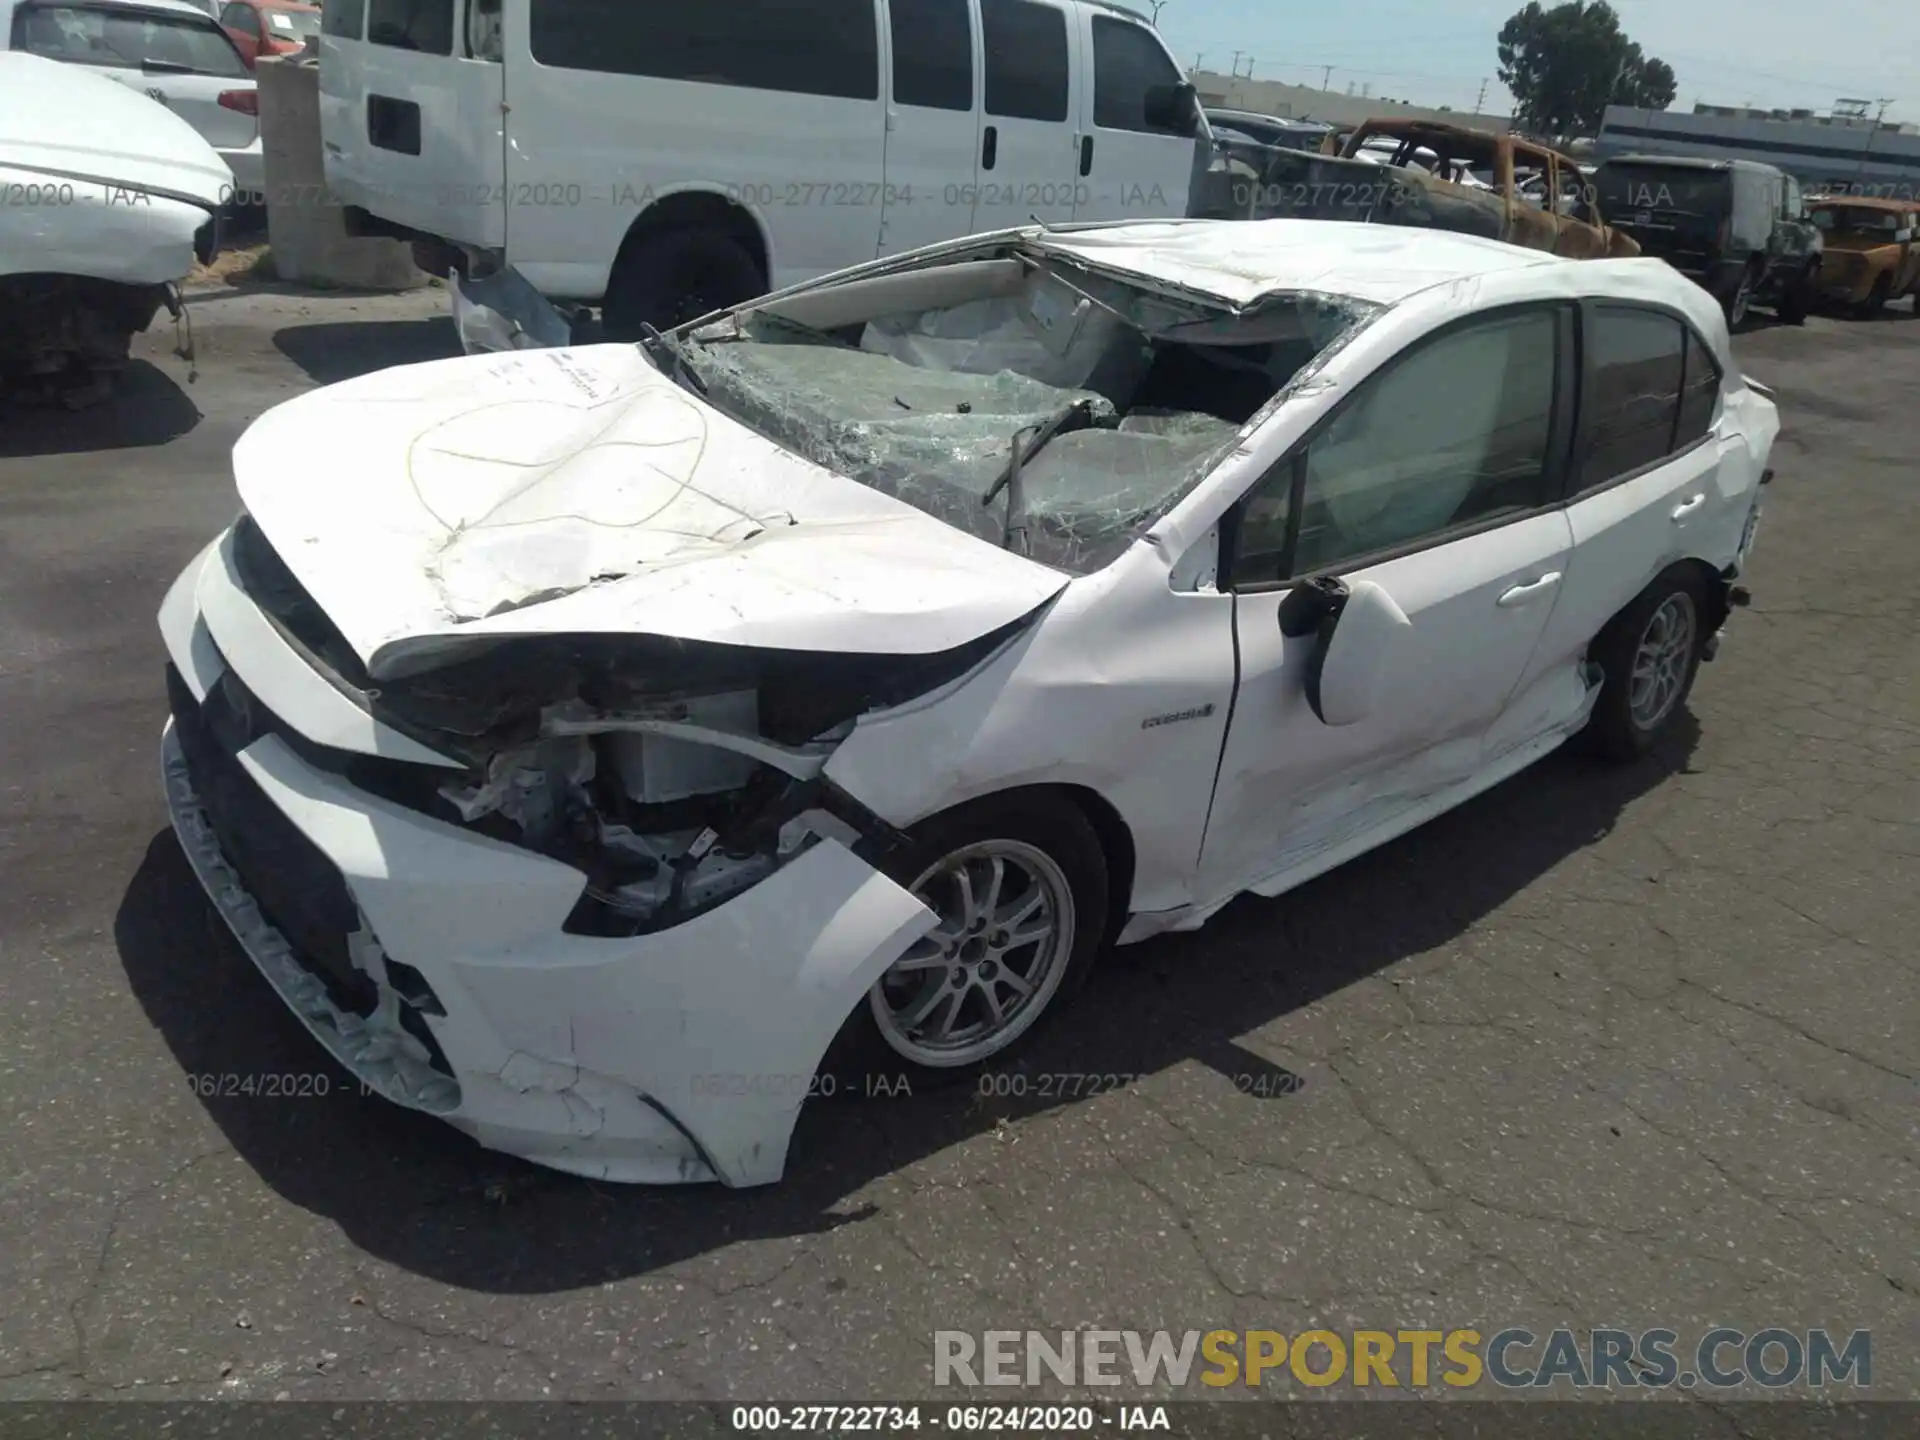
x,y
654,343
1076,416
167,67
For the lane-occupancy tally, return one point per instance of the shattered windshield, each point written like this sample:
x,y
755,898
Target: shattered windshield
x,y
1039,405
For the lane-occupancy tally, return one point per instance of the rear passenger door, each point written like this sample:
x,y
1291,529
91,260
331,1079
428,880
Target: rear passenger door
x,y
933,123
1027,153
1647,457
1129,167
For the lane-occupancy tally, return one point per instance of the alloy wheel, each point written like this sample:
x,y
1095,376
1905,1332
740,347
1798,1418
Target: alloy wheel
x,y
1661,661
983,975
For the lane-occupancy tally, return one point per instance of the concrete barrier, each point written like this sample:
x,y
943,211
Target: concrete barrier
x,y
305,226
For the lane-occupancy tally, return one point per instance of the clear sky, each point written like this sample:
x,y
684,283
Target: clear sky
x,y
1437,52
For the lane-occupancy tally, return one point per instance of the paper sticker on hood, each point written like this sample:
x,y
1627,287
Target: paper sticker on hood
x,y
583,491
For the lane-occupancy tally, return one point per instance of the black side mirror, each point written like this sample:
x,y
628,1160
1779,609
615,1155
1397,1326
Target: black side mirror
x,y
1170,107
1313,607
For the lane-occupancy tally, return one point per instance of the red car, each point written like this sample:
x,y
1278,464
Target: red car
x,y
269,27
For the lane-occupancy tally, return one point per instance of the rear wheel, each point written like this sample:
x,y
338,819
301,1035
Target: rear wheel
x,y
669,278
1020,888
1649,654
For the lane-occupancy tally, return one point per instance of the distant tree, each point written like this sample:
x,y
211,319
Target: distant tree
x,y
1565,65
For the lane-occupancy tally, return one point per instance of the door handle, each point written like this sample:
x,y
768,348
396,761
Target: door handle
x,y
1687,506
1529,592
1086,154
989,147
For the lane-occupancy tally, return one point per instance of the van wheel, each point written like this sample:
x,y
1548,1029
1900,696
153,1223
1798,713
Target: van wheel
x,y
1797,299
675,276
1020,886
1740,299
1649,654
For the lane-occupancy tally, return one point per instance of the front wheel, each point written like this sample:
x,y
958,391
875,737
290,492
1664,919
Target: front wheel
x,y
1649,654
1740,300
1796,300
1877,297
1020,889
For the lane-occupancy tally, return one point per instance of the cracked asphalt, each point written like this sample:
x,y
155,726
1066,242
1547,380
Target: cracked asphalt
x,y
1608,1046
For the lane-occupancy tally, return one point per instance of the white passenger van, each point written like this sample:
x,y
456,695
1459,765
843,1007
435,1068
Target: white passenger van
x,y
663,159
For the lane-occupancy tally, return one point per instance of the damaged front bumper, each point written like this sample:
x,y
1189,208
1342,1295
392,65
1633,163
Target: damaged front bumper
x,y
432,962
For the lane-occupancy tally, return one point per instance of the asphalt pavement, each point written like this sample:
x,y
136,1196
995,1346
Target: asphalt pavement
x,y
1608,1046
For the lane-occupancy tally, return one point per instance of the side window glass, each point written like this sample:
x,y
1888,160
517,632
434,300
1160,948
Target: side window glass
x,y
1026,48
1127,62
422,25
1456,432
1699,394
799,47
344,18
1634,358
932,53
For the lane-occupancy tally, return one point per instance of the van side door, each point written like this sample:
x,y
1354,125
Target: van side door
x,y
933,122
1027,149
412,118
1135,161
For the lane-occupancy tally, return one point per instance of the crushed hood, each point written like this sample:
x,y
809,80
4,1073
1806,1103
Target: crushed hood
x,y
581,491
67,123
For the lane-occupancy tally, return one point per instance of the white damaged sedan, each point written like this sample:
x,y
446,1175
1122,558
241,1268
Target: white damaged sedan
x,y
593,746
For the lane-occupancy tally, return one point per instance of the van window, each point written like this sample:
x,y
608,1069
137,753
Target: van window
x,y
346,19
932,53
806,47
1026,45
425,26
1127,62
1634,357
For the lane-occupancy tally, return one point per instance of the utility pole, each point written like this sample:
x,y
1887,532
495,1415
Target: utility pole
x,y
1198,56
1158,5
1481,99
1235,69
1326,76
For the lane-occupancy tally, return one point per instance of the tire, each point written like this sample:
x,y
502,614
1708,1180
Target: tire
x,y
1796,300
1620,729
1877,297
1047,850
1738,301
675,276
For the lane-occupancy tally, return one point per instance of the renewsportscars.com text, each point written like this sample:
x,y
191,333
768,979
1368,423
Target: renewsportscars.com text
x,y
1513,1358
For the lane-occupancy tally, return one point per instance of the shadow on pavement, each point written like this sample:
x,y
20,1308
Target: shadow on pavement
x,y
415,1193
148,407
342,350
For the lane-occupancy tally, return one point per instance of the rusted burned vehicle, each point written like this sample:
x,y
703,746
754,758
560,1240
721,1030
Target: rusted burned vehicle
x,y
1870,253
1440,176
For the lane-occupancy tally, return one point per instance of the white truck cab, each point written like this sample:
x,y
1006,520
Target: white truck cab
x,y
663,160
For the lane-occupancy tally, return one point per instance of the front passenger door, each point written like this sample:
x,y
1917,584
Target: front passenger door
x,y
1435,481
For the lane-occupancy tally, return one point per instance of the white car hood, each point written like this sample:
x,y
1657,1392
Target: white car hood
x,y
582,491
67,123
